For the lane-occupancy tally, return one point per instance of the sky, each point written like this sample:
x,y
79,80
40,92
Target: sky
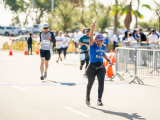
x,y
6,14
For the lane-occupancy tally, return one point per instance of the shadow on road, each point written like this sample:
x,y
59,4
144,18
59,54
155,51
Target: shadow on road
x,y
125,115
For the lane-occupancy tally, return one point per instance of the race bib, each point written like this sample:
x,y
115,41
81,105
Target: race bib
x,y
82,57
46,42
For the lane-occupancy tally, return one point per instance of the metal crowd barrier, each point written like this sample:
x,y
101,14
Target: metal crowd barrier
x,y
137,62
142,45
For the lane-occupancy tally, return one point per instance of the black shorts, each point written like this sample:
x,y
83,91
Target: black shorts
x,y
59,50
46,54
76,46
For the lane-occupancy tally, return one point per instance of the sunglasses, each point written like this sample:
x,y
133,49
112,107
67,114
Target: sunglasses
x,y
45,28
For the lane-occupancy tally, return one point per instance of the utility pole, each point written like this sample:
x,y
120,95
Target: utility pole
x,y
32,4
52,5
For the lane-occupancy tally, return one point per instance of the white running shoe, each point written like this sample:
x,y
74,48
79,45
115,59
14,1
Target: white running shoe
x,y
99,102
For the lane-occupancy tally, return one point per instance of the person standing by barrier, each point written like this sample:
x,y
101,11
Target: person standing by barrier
x,y
152,39
96,67
65,45
142,37
135,35
75,41
115,41
59,45
54,43
46,39
84,44
29,41
106,40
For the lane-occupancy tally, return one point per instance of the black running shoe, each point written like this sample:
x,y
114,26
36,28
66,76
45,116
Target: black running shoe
x,y
88,101
80,67
61,59
57,61
99,102
42,78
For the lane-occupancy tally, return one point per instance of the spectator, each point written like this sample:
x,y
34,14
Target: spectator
x,y
76,36
29,41
152,39
106,40
125,36
142,37
54,43
115,41
131,39
135,35
67,32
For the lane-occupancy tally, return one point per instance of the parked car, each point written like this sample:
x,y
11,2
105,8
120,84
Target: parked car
x,y
37,28
29,29
9,30
20,38
23,30
25,38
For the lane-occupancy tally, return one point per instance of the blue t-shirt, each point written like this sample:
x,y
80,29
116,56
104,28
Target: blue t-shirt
x,y
97,53
84,39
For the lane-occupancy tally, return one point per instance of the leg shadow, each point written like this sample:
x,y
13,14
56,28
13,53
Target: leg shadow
x,y
125,115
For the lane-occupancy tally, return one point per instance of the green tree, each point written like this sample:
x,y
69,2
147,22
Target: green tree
x,y
137,14
18,7
96,11
63,16
101,14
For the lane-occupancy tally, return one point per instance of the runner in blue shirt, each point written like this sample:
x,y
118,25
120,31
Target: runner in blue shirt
x,y
96,67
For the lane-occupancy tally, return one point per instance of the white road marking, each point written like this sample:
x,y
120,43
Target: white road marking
x,y
18,87
77,112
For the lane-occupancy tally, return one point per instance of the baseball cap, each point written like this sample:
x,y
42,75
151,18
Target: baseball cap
x,y
76,30
153,30
99,37
87,29
46,25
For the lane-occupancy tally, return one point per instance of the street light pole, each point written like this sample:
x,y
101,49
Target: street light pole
x,y
32,14
52,5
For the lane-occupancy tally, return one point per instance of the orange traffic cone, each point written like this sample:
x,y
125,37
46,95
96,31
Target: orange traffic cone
x,y
111,50
111,58
114,58
109,71
106,63
10,50
114,51
37,50
25,50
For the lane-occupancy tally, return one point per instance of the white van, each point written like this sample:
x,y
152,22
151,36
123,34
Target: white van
x,y
10,30
37,28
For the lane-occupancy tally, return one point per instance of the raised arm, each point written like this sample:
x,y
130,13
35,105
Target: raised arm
x,y
91,35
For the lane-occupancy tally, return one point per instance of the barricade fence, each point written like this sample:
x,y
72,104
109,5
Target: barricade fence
x,y
137,62
142,45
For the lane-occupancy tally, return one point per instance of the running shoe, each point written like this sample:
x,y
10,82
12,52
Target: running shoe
x,y
64,58
88,101
99,102
42,78
57,61
80,67
61,59
85,75
45,74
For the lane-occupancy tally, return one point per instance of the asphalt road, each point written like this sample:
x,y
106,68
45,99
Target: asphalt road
x,y
23,96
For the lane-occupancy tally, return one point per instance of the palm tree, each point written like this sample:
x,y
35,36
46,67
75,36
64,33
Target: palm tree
x,y
137,14
118,10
